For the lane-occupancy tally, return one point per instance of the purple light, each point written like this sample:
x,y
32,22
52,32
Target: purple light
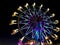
x,y
20,42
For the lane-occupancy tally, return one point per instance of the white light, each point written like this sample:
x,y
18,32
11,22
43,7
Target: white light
x,y
42,43
41,6
50,41
14,31
48,9
46,37
34,4
22,38
26,5
52,15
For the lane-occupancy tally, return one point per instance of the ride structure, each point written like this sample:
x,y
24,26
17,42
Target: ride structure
x,y
35,24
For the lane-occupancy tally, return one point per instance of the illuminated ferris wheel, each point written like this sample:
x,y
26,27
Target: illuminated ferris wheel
x,y
35,23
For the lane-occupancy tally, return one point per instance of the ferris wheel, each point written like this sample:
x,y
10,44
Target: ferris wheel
x,y
35,23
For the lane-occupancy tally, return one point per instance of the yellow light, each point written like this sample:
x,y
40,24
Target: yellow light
x,y
14,31
47,9
22,38
50,41
34,4
57,29
47,42
46,37
52,15
26,5
14,14
56,37
31,43
20,8
56,22
41,6
13,22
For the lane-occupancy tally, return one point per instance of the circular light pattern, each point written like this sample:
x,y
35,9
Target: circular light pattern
x,y
35,23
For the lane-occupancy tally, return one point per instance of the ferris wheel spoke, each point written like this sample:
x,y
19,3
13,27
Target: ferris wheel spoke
x,y
28,31
48,31
41,37
23,23
27,16
24,27
33,34
49,26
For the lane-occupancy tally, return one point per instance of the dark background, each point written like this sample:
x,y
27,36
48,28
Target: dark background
x,y
7,7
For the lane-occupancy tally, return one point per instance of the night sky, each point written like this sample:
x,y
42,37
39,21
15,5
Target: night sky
x,y
7,7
